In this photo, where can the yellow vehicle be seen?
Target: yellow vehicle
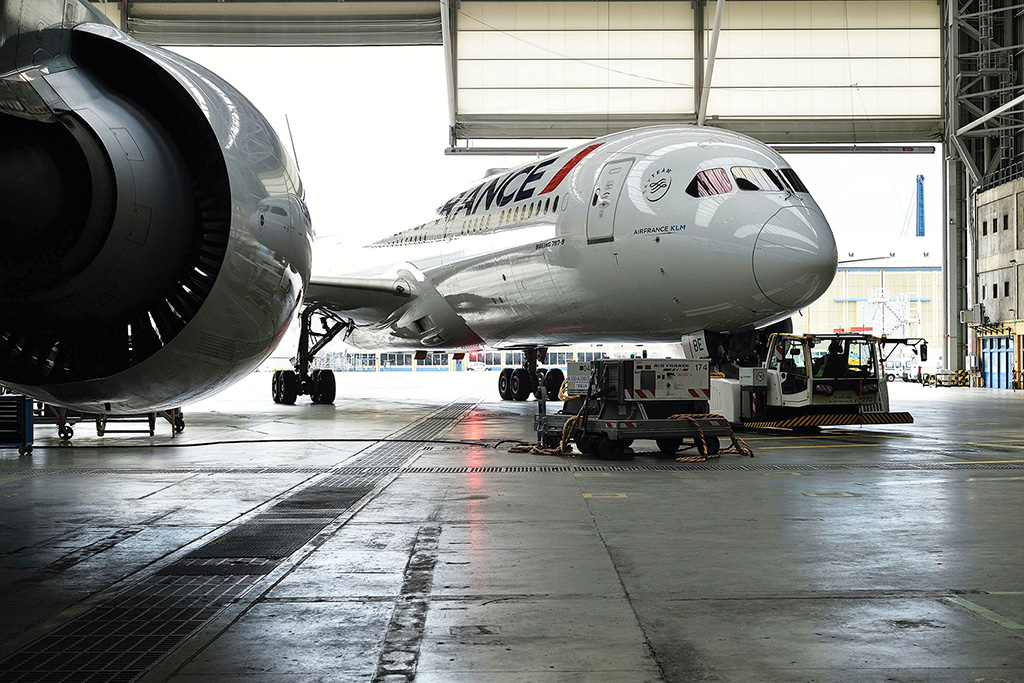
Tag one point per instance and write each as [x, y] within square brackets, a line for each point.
[814, 380]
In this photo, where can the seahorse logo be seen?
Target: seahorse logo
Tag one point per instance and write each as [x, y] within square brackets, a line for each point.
[657, 185]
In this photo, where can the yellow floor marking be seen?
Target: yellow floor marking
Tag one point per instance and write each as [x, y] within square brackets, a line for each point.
[978, 462]
[604, 495]
[782, 474]
[830, 494]
[828, 445]
[988, 614]
[1005, 592]
[591, 474]
[995, 478]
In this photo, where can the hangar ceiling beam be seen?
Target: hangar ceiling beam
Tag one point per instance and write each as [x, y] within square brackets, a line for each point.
[280, 22]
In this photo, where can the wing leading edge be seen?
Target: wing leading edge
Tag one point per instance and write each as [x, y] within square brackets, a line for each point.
[365, 300]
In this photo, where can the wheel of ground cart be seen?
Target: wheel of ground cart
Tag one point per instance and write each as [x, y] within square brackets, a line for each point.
[275, 386]
[24, 450]
[505, 384]
[668, 447]
[65, 432]
[289, 387]
[609, 449]
[584, 445]
[712, 443]
[551, 441]
[553, 382]
[520, 385]
[890, 378]
[324, 386]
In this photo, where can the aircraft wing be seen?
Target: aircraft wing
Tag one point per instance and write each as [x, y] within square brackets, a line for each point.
[365, 300]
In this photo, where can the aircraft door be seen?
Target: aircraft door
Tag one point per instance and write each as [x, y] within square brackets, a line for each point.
[601, 214]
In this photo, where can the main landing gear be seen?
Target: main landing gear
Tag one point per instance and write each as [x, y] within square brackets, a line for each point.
[319, 385]
[517, 384]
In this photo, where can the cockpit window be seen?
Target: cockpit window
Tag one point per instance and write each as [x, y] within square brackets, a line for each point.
[757, 179]
[710, 182]
[794, 180]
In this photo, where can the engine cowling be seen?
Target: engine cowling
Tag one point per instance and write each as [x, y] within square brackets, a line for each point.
[156, 242]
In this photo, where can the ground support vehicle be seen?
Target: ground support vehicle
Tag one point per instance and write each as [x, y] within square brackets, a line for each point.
[814, 381]
[611, 403]
[16, 423]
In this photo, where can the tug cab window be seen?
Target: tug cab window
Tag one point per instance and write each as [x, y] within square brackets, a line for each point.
[788, 358]
[755, 179]
[710, 182]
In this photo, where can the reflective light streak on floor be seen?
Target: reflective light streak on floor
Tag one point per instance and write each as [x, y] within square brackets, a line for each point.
[850, 555]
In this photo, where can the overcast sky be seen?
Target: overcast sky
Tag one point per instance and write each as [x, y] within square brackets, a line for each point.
[371, 124]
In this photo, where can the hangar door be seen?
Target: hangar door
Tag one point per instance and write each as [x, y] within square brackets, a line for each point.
[997, 361]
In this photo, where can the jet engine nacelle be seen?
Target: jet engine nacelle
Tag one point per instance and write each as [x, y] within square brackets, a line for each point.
[156, 244]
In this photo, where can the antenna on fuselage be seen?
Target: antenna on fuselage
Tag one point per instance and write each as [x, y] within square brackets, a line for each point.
[295, 155]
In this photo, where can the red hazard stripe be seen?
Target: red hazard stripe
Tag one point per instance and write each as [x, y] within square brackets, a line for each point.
[706, 392]
[694, 393]
[564, 171]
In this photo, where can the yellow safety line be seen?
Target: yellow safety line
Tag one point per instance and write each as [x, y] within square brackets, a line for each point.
[604, 495]
[988, 614]
[978, 462]
[827, 445]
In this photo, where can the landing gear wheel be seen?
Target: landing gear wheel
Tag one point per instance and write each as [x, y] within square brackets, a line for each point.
[520, 385]
[584, 445]
[712, 445]
[65, 432]
[668, 447]
[505, 384]
[179, 423]
[553, 380]
[608, 449]
[289, 387]
[324, 387]
[275, 386]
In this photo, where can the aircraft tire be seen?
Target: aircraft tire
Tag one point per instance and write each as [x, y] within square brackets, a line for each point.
[553, 382]
[520, 385]
[65, 432]
[608, 449]
[668, 447]
[325, 387]
[712, 442]
[504, 384]
[275, 386]
[289, 387]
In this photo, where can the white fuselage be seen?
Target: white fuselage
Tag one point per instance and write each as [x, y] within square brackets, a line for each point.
[603, 242]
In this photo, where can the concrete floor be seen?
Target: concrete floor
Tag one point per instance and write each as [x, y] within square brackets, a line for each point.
[859, 554]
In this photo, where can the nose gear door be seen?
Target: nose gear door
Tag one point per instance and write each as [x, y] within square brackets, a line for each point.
[601, 214]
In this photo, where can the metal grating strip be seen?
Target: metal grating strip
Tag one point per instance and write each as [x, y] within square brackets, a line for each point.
[126, 635]
[355, 470]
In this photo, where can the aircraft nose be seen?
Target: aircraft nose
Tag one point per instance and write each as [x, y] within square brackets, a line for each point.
[795, 257]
